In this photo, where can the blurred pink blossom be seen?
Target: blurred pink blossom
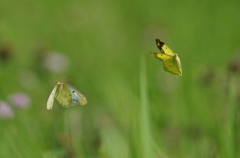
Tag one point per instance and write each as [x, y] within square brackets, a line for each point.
[5, 110]
[55, 62]
[20, 99]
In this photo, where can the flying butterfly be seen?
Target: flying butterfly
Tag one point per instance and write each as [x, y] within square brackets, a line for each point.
[171, 61]
[66, 95]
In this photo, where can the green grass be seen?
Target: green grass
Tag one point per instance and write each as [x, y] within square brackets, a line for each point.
[135, 108]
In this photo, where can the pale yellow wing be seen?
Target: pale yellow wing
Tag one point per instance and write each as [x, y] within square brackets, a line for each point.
[77, 97]
[173, 65]
[164, 48]
[161, 56]
[63, 95]
[51, 98]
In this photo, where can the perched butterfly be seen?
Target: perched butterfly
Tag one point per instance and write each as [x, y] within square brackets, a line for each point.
[66, 95]
[171, 61]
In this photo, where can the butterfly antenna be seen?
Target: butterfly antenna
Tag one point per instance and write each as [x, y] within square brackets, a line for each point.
[68, 80]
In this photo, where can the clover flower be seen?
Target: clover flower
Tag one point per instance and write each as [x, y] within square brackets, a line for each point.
[55, 62]
[20, 99]
[5, 110]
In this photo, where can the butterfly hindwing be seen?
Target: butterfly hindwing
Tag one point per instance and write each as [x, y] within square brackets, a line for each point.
[172, 66]
[63, 95]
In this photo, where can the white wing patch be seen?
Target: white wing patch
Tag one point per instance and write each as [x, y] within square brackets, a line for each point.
[51, 98]
[77, 97]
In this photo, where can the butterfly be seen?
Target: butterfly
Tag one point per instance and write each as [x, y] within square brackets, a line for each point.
[171, 61]
[66, 95]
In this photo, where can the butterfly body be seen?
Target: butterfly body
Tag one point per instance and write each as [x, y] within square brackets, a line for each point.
[66, 95]
[171, 61]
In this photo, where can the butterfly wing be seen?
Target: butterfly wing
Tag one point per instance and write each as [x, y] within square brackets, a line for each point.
[161, 56]
[173, 65]
[77, 97]
[51, 98]
[164, 48]
[63, 95]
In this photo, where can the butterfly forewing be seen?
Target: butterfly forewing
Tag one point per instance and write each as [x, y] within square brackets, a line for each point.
[164, 48]
[51, 98]
[77, 97]
[161, 56]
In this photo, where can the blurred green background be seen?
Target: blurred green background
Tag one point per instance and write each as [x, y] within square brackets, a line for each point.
[135, 108]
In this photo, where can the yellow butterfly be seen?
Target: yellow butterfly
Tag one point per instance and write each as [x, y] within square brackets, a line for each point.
[171, 61]
[66, 95]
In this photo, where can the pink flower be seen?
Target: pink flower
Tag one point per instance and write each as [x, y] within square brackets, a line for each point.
[55, 62]
[5, 110]
[20, 99]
